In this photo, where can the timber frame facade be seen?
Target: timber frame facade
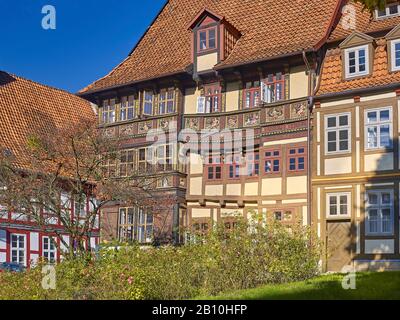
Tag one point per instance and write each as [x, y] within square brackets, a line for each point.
[305, 95]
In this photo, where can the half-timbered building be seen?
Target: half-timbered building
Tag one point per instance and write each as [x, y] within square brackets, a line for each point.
[28, 108]
[355, 182]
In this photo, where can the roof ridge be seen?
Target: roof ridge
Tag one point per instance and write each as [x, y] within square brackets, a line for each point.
[41, 84]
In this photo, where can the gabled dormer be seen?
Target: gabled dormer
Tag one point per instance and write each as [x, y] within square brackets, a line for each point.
[393, 49]
[357, 55]
[213, 39]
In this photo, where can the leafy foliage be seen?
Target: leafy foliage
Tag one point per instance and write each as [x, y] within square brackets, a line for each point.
[210, 264]
[373, 4]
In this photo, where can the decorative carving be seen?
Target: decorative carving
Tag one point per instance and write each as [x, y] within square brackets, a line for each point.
[167, 124]
[109, 132]
[192, 123]
[298, 110]
[144, 127]
[232, 122]
[212, 123]
[275, 114]
[127, 130]
[251, 119]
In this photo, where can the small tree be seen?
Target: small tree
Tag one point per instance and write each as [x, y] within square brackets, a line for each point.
[373, 4]
[40, 182]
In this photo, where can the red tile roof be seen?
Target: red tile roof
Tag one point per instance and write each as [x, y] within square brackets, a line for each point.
[27, 107]
[269, 28]
[332, 80]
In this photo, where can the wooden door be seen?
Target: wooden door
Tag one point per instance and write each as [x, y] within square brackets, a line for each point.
[339, 245]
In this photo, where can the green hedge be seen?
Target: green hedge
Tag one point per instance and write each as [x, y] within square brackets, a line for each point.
[247, 257]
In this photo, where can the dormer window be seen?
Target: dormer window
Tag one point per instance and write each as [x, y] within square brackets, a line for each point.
[356, 61]
[391, 10]
[207, 39]
[395, 55]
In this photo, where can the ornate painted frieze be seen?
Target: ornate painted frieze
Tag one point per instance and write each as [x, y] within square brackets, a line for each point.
[298, 110]
[109, 132]
[212, 123]
[127, 130]
[251, 119]
[275, 114]
[144, 127]
[167, 124]
[192, 123]
[232, 122]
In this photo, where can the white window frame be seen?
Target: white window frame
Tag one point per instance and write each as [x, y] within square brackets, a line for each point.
[149, 102]
[378, 124]
[201, 105]
[18, 249]
[387, 10]
[358, 73]
[379, 207]
[393, 44]
[338, 195]
[337, 129]
[49, 250]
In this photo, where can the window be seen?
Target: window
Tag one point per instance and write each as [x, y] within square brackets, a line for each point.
[337, 133]
[283, 215]
[357, 61]
[212, 94]
[378, 128]
[108, 112]
[3, 212]
[273, 88]
[390, 11]
[207, 39]
[127, 163]
[165, 158]
[18, 249]
[145, 160]
[297, 159]
[166, 102]
[80, 207]
[148, 103]
[127, 108]
[200, 226]
[338, 205]
[214, 168]
[109, 166]
[252, 94]
[379, 208]
[272, 162]
[135, 224]
[234, 166]
[253, 164]
[49, 249]
[395, 55]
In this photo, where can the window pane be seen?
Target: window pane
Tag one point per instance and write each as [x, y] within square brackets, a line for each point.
[343, 120]
[331, 122]
[331, 136]
[372, 117]
[203, 40]
[301, 163]
[372, 199]
[386, 198]
[385, 136]
[211, 39]
[385, 115]
[372, 136]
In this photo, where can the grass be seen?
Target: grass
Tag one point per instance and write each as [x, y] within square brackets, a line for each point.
[369, 286]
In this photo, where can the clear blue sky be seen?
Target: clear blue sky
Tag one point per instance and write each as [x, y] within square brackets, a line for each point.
[91, 38]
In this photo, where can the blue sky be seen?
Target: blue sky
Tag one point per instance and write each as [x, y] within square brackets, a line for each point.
[92, 37]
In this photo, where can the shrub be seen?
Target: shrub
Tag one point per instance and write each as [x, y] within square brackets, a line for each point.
[246, 257]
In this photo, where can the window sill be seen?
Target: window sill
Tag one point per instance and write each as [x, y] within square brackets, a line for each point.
[338, 218]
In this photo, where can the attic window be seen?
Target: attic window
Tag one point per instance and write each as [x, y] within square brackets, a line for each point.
[207, 39]
[356, 62]
[391, 10]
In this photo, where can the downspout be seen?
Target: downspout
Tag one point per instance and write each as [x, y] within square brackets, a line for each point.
[310, 105]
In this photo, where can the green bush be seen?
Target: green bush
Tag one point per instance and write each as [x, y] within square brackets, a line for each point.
[246, 257]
